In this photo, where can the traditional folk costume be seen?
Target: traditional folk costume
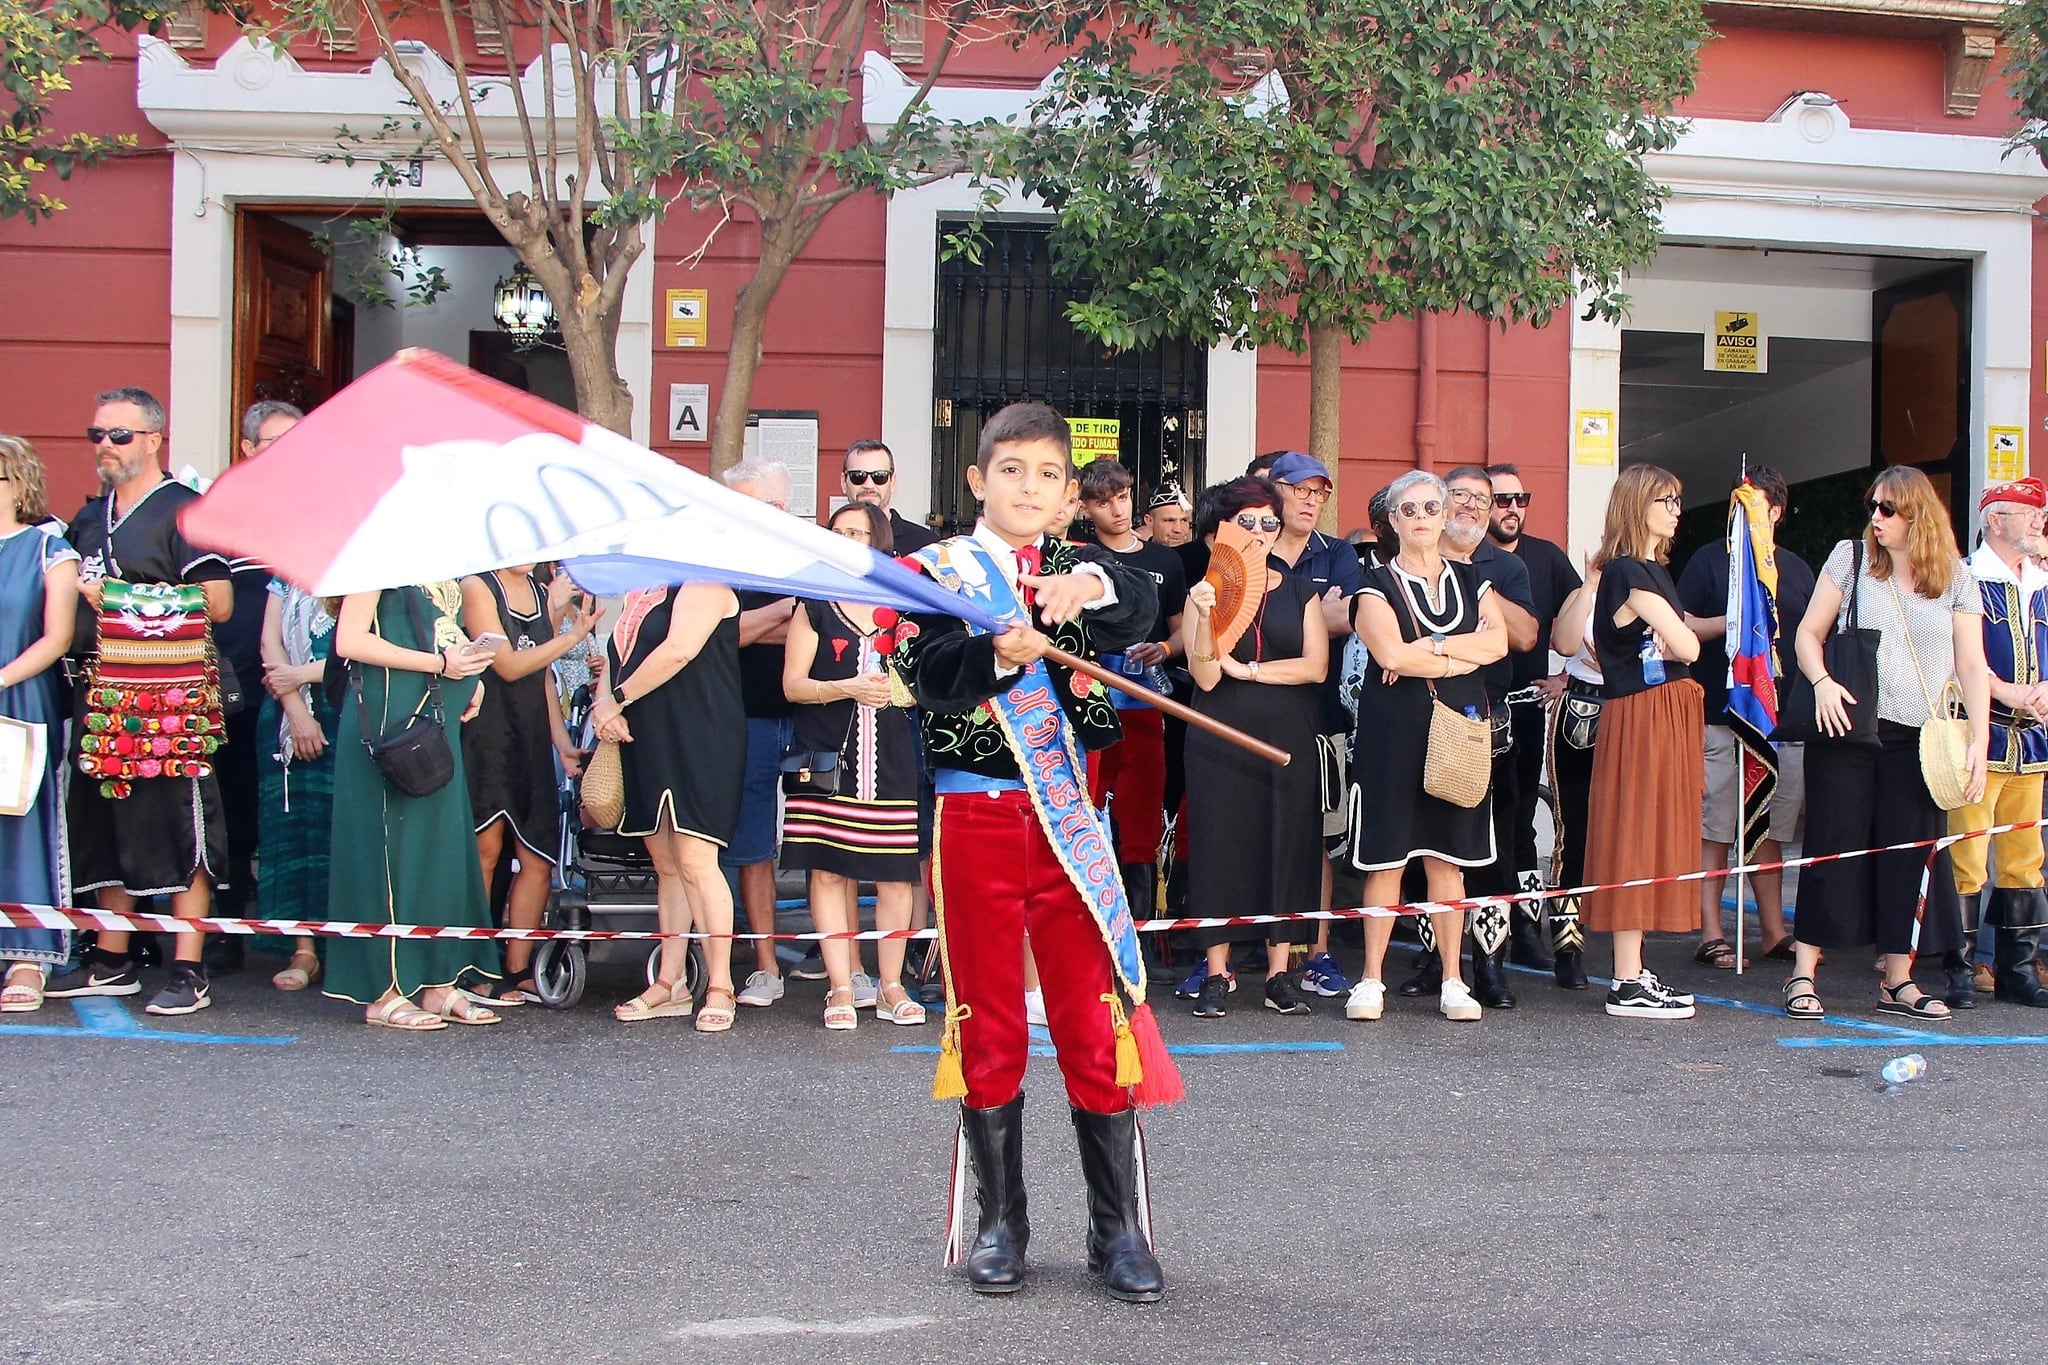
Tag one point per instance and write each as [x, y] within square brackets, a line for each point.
[1020, 849]
[2015, 645]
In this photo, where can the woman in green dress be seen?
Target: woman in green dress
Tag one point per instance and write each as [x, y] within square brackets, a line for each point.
[398, 859]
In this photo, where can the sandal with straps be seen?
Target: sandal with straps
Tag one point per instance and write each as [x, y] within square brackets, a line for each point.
[1923, 1007]
[460, 1007]
[1801, 1002]
[841, 1017]
[1715, 952]
[401, 1014]
[717, 1018]
[662, 1000]
[303, 972]
[903, 1009]
[23, 993]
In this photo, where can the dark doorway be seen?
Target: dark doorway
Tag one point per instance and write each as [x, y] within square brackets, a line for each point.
[1003, 337]
[1920, 384]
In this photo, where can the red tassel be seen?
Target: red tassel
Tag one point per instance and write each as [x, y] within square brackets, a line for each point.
[1161, 1083]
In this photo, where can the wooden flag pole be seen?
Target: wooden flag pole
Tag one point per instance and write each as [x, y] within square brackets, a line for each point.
[1171, 707]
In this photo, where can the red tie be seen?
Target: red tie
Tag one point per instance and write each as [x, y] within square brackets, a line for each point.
[1029, 559]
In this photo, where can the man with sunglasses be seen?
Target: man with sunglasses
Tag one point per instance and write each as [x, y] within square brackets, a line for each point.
[870, 476]
[168, 836]
[1551, 579]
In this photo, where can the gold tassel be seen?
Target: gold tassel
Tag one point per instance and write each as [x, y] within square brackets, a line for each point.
[950, 1081]
[1129, 1070]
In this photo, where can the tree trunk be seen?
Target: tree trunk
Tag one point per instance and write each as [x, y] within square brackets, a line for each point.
[1325, 395]
[590, 340]
[779, 247]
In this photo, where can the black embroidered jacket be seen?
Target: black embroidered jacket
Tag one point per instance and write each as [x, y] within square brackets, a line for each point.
[951, 673]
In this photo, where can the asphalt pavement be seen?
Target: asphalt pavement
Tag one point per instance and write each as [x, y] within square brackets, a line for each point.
[1546, 1184]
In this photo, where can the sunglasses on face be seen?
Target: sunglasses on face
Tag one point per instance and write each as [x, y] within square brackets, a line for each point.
[119, 436]
[860, 477]
[1266, 524]
[1505, 500]
[1413, 510]
[1881, 507]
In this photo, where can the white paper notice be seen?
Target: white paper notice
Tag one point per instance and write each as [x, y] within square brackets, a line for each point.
[21, 765]
[794, 442]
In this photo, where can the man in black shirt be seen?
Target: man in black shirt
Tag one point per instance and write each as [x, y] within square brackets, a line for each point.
[870, 476]
[1131, 773]
[1551, 579]
[1703, 593]
[166, 837]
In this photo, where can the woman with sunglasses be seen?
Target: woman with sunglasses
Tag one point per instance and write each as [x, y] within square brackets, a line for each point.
[1914, 590]
[1649, 759]
[1430, 624]
[1254, 828]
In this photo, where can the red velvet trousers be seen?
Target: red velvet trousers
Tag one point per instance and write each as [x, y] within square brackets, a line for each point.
[1132, 774]
[994, 879]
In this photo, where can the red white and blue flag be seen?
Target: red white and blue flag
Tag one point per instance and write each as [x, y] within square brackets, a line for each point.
[1753, 669]
[424, 470]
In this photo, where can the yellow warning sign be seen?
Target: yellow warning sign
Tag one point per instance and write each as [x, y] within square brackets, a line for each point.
[1593, 436]
[1095, 437]
[689, 323]
[2005, 454]
[1737, 344]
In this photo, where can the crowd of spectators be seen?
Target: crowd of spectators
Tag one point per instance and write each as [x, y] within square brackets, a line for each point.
[759, 735]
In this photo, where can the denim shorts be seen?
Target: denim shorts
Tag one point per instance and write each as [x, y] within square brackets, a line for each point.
[760, 823]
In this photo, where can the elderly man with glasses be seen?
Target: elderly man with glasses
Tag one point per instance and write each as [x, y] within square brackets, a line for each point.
[2015, 641]
[162, 835]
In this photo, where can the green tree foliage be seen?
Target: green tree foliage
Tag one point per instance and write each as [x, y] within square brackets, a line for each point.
[2026, 70]
[1294, 172]
[41, 41]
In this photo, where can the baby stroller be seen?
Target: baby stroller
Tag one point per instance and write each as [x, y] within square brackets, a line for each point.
[605, 881]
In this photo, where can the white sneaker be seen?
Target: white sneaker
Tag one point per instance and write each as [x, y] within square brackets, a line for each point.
[763, 989]
[1368, 1000]
[1034, 1008]
[1457, 1003]
[866, 991]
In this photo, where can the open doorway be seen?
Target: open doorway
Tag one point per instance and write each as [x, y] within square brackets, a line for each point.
[319, 303]
[1860, 361]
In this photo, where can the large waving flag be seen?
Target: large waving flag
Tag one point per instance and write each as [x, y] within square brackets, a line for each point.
[1752, 663]
[424, 470]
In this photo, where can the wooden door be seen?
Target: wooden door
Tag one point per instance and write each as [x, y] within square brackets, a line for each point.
[284, 324]
[1920, 384]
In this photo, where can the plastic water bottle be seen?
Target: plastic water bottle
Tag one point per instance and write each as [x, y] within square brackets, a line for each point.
[1471, 713]
[1653, 661]
[1900, 1070]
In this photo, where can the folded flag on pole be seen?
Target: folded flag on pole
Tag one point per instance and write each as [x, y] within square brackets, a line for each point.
[1753, 670]
[424, 470]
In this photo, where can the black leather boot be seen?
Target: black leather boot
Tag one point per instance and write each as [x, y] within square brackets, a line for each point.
[995, 1143]
[1119, 1243]
[1490, 978]
[1527, 947]
[1570, 937]
[1428, 978]
[2018, 916]
[1959, 964]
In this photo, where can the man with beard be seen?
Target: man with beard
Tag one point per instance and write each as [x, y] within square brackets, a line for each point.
[1169, 517]
[161, 835]
[1465, 540]
[1551, 579]
[870, 476]
[2015, 641]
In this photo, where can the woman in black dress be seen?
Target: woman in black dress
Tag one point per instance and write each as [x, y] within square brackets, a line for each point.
[835, 670]
[675, 670]
[1255, 829]
[1429, 624]
[509, 752]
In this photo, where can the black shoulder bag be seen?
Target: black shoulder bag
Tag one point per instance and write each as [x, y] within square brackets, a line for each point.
[415, 757]
[1850, 654]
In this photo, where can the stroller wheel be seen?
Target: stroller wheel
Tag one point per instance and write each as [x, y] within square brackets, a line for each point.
[560, 971]
[693, 968]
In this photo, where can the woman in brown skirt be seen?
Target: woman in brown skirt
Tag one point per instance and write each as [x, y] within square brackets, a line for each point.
[1649, 764]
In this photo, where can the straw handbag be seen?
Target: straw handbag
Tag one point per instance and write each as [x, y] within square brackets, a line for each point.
[1458, 764]
[604, 786]
[1945, 738]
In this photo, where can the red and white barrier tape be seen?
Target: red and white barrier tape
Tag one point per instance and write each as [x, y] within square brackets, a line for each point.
[55, 917]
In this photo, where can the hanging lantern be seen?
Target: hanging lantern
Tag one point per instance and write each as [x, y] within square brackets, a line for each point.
[521, 306]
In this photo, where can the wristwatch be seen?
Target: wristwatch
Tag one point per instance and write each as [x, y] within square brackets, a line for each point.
[1436, 642]
[1253, 666]
[619, 694]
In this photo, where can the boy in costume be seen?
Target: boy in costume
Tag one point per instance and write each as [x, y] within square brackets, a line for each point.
[1020, 849]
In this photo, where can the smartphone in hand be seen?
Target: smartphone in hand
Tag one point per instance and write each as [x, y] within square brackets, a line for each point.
[490, 642]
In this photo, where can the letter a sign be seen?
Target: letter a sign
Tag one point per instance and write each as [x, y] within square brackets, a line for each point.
[689, 412]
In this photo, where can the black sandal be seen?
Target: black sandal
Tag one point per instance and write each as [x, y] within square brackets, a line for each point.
[1793, 999]
[1715, 952]
[1926, 1008]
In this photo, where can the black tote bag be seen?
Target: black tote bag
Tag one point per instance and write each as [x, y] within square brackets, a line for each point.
[1850, 654]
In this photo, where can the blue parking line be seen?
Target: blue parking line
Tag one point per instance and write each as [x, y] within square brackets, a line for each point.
[1913, 1040]
[103, 1017]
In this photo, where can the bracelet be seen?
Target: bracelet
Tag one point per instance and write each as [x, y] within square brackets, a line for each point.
[440, 665]
[1825, 677]
[1201, 658]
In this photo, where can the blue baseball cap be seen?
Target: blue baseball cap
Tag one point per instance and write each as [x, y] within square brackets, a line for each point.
[1295, 467]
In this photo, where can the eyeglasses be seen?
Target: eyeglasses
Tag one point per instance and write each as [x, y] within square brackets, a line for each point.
[119, 436]
[2025, 513]
[1881, 507]
[860, 477]
[1671, 500]
[1251, 523]
[1302, 490]
[1505, 500]
[1413, 510]
[1469, 497]
[852, 532]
